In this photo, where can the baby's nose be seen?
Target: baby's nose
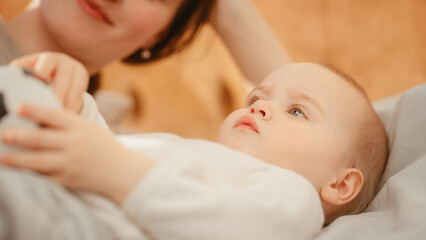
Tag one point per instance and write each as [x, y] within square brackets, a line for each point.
[260, 111]
[262, 108]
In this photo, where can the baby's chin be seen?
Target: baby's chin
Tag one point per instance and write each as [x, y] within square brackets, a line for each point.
[244, 148]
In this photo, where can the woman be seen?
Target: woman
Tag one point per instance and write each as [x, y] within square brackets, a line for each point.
[97, 32]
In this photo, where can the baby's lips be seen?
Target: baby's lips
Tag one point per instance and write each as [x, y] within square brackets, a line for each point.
[247, 122]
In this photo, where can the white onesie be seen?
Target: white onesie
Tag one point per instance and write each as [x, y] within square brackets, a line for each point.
[203, 190]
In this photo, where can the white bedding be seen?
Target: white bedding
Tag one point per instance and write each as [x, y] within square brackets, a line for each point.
[399, 210]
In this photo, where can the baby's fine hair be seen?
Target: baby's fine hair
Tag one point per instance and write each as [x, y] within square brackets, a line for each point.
[369, 153]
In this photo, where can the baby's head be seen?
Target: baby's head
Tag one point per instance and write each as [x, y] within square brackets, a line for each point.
[318, 122]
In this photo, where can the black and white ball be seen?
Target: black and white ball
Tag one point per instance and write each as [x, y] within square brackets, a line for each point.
[18, 85]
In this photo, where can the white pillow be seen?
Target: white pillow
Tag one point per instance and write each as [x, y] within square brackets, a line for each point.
[399, 209]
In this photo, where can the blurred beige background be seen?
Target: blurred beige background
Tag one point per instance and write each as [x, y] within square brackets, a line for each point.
[380, 43]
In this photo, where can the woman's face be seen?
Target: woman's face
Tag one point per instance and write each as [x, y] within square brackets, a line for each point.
[97, 32]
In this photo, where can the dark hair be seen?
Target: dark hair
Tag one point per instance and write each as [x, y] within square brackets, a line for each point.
[190, 16]
[94, 83]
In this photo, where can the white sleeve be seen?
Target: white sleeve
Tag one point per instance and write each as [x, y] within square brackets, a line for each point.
[90, 111]
[223, 195]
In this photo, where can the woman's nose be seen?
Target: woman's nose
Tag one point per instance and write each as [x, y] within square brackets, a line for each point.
[261, 108]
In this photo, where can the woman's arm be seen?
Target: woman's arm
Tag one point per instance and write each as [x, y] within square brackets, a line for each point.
[251, 41]
[74, 152]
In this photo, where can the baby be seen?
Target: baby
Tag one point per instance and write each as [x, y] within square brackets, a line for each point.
[310, 148]
[318, 122]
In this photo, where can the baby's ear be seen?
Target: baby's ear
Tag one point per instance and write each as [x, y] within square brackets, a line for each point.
[343, 187]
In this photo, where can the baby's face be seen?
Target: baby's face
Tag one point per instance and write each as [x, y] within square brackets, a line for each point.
[301, 118]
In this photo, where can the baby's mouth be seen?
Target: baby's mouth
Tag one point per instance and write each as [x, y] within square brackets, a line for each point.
[247, 122]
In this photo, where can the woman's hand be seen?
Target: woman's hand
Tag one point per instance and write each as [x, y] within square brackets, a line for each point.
[253, 44]
[68, 77]
[75, 153]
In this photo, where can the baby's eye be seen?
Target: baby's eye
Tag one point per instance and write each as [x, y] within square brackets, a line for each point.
[296, 111]
[251, 99]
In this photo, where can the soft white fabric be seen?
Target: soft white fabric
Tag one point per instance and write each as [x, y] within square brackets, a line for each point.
[111, 216]
[399, 210]
[90, 111]
[202, 190]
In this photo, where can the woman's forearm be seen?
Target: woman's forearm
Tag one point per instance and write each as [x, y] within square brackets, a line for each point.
[126, 175]
[249, 38]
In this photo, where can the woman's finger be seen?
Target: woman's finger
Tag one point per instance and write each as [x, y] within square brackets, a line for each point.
[48, 116]
[62, 80]
[42, 162]
[45, 66]
[26, 61]
[79, 85]
[38, 138]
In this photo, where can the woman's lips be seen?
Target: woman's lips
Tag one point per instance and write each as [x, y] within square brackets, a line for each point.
[92, 9]
[247, 122]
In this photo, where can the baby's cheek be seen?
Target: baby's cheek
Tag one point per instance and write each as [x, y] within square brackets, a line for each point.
[223, 130]
[293, 147]
[228, 124]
